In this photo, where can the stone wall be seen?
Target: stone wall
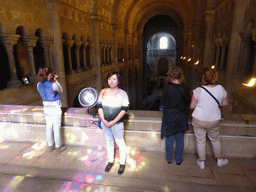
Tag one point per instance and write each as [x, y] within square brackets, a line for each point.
[142, 130]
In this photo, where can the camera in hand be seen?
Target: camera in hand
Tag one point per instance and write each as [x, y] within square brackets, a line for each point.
[53, 77]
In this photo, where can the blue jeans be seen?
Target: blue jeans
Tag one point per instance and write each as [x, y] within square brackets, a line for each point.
[112, 135]
[179, 137]
[52, 112]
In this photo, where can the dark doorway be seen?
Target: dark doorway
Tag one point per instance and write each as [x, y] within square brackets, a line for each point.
[39, 56]
[149, 100]
[5, 71]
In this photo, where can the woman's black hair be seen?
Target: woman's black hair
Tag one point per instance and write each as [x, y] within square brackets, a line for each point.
[118, 77]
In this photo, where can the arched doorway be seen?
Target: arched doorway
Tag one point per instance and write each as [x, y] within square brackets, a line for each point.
[5, 75]
[161, 46]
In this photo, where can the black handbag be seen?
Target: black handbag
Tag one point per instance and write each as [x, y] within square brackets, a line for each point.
[222, 117]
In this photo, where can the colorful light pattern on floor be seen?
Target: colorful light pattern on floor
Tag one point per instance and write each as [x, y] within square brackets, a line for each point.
[14, 182]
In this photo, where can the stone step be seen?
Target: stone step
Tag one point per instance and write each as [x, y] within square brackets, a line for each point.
[142, 130]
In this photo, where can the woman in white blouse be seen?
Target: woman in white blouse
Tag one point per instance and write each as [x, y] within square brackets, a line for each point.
[113, 104]
[207, 115]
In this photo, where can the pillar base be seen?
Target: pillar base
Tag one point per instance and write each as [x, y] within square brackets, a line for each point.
[13, 84]
[78, 70]
[32, 79]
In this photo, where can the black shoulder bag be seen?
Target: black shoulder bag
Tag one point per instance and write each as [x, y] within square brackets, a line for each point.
[222, 117]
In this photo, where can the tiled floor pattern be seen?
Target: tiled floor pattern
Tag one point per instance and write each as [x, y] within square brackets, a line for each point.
[30, 167]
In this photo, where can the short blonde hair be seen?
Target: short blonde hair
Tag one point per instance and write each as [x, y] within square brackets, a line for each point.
[176, 73]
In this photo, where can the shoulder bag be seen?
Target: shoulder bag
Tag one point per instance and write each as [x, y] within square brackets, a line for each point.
[222, 117]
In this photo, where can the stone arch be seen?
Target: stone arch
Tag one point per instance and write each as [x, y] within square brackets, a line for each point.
[83, 39]
[5, 75]
[74, 50]
[21, 55]
[75, 37]
[65, 46]
[40, 33]
[21, 30]
[88, 56]
[65, 36]
[39, 50]
[82, 53]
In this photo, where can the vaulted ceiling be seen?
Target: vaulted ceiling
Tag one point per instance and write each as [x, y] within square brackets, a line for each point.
[132, 15]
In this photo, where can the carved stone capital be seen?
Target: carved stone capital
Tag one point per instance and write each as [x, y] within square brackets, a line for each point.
[31, 41]
[209, 16]
[85, 44]
[68, 43]
[9, 40]
[245, 37]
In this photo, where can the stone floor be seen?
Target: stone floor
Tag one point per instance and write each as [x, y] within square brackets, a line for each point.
[30, 167]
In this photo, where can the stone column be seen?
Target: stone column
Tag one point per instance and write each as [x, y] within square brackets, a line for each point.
[30, 43]
[217, 55]
[233, 52]
[54, 16]
[109, 53]
[77, 55]
[126, 60]
[115, 47]
[69, 44]
[254, 39]
[107, 59]
[223, 52]
[96, 51]
[46, 49]
[235, 41]
[84, 55]
[92, 47]
[244, 54]
[103, 55]
[209, 17]
[133, 77]
[9, 42]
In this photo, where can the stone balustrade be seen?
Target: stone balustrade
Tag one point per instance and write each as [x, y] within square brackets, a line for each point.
[142, 130]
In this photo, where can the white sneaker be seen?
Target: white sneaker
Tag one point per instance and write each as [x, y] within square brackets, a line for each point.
[222, 162]
[201, 164]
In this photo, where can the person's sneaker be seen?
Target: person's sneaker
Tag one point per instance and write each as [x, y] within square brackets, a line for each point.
[51, 148]
[222, 162]
[121, 169]
[60, 149]
[201, 164]
[108, 167]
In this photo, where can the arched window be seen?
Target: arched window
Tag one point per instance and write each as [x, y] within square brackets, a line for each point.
[163, 43]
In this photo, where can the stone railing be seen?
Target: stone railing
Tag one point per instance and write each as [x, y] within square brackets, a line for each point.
[142, 130]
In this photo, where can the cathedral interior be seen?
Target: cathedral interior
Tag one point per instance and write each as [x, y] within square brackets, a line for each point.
[84, 40]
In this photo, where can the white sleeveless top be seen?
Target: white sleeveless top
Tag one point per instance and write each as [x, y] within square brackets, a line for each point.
[207, 108]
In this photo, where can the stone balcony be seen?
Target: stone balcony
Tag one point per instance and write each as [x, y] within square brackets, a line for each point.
[142, 130]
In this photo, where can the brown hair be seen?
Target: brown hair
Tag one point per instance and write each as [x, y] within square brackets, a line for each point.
[210, 76]
[43, 73]
[176, 73]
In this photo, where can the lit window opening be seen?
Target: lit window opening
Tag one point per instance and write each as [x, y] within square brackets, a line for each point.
[163, 43]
